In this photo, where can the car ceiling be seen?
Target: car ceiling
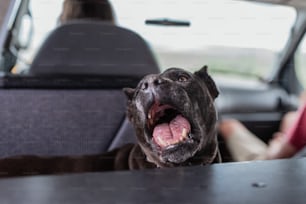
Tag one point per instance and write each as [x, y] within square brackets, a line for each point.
[295, 3]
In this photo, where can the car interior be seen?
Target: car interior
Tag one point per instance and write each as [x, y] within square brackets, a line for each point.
[69, 99]
[61, 94]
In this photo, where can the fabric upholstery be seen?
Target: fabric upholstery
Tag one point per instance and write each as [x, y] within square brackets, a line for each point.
[94, 48]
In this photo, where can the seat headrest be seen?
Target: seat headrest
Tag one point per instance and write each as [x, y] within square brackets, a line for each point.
[94, 48]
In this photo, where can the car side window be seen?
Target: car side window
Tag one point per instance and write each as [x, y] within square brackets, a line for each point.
[300, 62]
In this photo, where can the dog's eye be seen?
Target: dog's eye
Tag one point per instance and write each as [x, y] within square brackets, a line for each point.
[183, 78]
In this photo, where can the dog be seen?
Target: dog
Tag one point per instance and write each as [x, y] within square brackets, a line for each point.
[174, 118]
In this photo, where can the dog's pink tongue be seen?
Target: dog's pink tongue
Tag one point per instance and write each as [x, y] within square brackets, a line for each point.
[171, 133]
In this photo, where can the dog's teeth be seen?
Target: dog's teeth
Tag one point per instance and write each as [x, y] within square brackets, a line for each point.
[161, 142]
[172, 142]
[151, 121]
[184, 133]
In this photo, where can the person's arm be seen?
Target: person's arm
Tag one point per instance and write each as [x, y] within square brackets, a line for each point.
[296, 135]
[292, 141]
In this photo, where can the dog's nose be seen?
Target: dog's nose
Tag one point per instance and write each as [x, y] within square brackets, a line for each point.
[152, 82]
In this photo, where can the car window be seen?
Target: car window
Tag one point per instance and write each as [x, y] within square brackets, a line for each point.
[300, 62]
[234, 38]
[237, 40]
[45, 17]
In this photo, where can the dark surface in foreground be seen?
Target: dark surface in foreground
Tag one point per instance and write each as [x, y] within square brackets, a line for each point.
[280, 181]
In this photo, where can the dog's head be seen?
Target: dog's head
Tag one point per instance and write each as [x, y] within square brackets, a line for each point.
[174, 116]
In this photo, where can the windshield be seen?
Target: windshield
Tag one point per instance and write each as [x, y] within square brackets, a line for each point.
[234, 38]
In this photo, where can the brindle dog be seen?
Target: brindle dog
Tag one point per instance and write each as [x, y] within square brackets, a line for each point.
[174, 118]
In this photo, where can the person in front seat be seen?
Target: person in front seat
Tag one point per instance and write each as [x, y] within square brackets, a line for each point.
[87, 9]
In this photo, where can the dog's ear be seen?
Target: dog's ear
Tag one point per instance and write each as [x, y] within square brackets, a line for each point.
[202, 74]
[129, 92]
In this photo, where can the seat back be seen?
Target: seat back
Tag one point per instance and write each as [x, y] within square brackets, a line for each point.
[94, 48]
[72, 103]
[59, 119]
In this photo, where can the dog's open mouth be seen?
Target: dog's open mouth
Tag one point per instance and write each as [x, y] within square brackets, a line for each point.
[168, 126]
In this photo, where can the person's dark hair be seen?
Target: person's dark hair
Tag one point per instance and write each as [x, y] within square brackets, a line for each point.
[86, 9]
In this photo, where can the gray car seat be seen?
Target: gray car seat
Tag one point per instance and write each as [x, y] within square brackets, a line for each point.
[93, 48]
[72, 102]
